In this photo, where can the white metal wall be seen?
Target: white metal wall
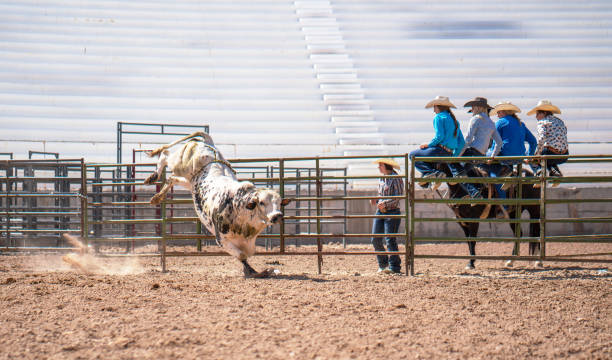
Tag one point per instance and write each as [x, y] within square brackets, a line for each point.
[332, 77]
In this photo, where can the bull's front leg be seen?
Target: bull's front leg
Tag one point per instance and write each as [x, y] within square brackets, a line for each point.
[249, 272]
[172, 180]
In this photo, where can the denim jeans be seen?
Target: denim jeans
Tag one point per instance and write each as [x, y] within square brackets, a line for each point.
[550, 162]
[471, 189]
[387, 226]
[496, 169]
[427, 168]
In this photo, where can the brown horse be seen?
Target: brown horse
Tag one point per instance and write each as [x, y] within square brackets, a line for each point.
[490, 211]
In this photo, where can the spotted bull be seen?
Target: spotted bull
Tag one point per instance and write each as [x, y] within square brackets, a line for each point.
[234, 211]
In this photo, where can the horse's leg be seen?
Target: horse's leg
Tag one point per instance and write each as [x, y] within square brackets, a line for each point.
[471, 230]
[515, 248]
[534, 231]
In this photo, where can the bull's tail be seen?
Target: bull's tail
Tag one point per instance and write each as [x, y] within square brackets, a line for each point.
[207, 139]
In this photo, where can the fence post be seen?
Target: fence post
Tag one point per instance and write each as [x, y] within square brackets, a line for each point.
[162, 227]
[411, 203]
[543, 209]
[84, 210]
[319, 188]
[518, 210]
[281, 184]
[407, 209]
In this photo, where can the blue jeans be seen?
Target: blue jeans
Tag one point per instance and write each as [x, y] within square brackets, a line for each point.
[471, 189]
[387, 226]
[496, 169]
[427, 168]
[550, 162]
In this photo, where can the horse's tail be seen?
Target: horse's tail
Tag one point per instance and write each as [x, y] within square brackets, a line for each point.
[207, 139]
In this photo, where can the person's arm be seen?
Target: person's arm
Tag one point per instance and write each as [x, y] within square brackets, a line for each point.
[497, 143]
[396, 188]
[531, 140]
[541, 131]
[471, 134]
[460, 143]
[439, 131]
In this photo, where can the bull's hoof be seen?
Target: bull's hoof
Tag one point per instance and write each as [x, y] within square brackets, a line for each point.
[156, 200]
[538, 264]
[509, 264]
[470, 266]
[151, 179]
[260, 275]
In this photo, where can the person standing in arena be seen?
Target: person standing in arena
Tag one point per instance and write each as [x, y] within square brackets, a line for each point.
[448, 141]
[514, 134]
[387, 187]
[480, 133]
[552, 136]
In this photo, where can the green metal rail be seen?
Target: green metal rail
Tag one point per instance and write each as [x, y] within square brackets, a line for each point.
[91, 197]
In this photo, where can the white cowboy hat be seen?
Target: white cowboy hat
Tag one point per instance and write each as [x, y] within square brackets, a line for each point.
[440, 100]
[544, 105]
[388, 162]
[505, 106]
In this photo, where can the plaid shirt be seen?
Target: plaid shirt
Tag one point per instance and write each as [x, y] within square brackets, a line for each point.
[390, 187]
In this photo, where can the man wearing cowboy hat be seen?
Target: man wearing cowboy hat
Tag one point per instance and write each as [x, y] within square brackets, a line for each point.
[381, 225]
[480, 133]
[552, 136]
[447, 141]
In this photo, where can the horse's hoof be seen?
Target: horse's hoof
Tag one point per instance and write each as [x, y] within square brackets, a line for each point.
[509, 263]
[470, 267]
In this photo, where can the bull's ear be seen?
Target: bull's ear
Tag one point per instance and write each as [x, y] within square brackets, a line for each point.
[252, 203]
[285, 202]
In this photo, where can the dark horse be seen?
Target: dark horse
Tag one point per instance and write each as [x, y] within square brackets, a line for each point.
[483, 211]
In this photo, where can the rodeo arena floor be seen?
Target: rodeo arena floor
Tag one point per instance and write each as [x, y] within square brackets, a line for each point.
[300, 97]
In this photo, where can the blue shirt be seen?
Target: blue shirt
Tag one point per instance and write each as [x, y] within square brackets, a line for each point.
[514, 134]
[444, 127]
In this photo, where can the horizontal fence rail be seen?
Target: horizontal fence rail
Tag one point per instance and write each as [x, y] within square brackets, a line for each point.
[108, 206]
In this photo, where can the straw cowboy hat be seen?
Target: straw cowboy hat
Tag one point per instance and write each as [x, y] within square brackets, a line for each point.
[505, 106]
[478, 101]
[544, 105]
[440, 100]
[388, 162]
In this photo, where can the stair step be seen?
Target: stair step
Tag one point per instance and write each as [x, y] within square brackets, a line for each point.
[326, 49]
[324, 39]
[342, 119]
[352, 113]
[357, 124]
[340, 87]
[330, 97]
[345, 140]
[318, 21]
[331, 78]
[357, 101]
[357, 130]
[321, 30]
[348, 107]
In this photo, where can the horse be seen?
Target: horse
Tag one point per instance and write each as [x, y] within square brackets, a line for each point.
[490, 211]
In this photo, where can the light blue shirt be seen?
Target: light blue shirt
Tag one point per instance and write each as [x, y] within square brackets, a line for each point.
[444, 127]
[480, 132]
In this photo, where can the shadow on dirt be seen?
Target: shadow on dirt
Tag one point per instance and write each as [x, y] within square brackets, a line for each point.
[559, 273]
[302, 278]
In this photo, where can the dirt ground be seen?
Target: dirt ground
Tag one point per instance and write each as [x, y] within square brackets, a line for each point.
[203, 308]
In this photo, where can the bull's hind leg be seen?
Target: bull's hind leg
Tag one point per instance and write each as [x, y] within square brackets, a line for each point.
[161, 165]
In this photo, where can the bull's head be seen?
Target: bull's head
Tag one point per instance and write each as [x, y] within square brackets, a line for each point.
[268, 206]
